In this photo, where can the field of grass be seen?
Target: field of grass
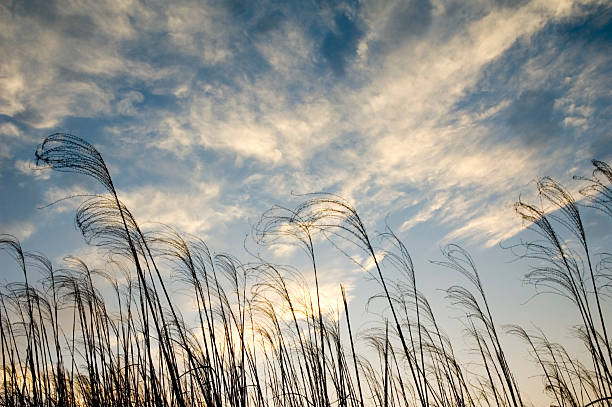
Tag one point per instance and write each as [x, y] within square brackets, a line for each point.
[66, 342]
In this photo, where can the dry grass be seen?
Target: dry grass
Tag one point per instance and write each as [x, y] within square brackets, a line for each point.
[66, 342]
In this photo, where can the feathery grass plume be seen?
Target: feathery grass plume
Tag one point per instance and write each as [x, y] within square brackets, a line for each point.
[253, 335]
[68, 153]
[460, 260]
[336, 218]
[565, 265]
[566, 378]
[599, 187]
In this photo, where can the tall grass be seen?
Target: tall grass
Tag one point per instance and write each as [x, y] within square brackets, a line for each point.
[80, 336]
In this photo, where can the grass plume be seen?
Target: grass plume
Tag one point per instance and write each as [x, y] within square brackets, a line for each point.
[80, 336]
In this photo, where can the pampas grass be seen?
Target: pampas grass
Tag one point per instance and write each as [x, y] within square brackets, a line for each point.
[116, 337]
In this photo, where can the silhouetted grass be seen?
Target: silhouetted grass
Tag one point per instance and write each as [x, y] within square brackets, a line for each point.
[116, 337]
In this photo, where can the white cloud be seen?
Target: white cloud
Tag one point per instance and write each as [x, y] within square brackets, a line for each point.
[281, 250]
[195, 208]
[8, 134]
[197, 29]
[50, 71]
[418, 140]
[431, 207]
[257, 123]
[303, 293]
[125, 106]
[93, 256]
[191, 208]
[399, 132]
[21, 230]
[9, 130]
[62, 200]
[286, 50]
[493, 225]
[27, 168]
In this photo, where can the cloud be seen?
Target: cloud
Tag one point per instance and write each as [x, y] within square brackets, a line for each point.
[197, 208]
[94, 257]
[9, 134]
[303, 292]
[281, 250]
[28, 168]
[285, 48]
[394, 23]
[492, 226]
[125, 106]
[61, 200]
[433, 205]
[420, 139]
[9, 130]
[21, 230]
[419, 113]
[64, 61]
[192, 209]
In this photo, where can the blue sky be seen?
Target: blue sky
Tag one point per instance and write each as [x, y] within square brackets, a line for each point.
[432, 115]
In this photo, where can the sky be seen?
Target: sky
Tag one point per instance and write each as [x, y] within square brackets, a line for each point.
[430, 116]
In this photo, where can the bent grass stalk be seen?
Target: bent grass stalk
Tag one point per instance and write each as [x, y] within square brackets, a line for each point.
[256, 341]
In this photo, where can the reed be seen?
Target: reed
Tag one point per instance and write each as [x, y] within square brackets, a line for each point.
[77, 336]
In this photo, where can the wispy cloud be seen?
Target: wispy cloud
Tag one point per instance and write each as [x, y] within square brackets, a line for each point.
[193, 210]
[28, 168]
[21, 230]
[443, 108]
